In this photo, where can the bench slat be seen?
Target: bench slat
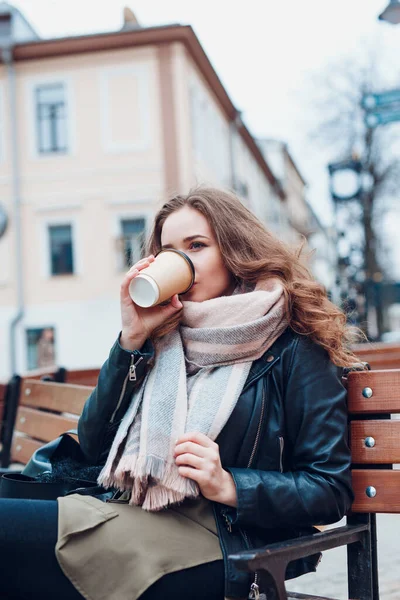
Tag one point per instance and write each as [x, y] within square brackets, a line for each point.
[387, 442]
[23, 448]
[41, 425]
[385, 386]
[54, 396]
[379, 356]
[387, 485]
[375, 349]
[41, 372]
[384, 363]
[83, 376]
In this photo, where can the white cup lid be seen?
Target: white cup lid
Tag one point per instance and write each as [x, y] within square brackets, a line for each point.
[144, 291]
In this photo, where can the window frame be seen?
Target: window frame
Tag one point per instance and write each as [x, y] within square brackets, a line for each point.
[117, 232]
[54, 148]
[53, 226]
[31, 85]
[37, 328]
[123, 237]
[45, 248]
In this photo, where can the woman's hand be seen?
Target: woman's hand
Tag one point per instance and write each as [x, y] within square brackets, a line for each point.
[198, 458]
[138, 323]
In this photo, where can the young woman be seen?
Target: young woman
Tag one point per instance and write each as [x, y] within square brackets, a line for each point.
[219, 418]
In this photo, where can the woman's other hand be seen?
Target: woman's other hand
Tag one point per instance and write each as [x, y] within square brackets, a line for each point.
[197, 458]
[138, 323]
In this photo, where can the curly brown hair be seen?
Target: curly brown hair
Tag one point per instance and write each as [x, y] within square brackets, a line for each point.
[251, 253]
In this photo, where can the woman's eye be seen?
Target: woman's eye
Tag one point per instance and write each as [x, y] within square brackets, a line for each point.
[196, 245]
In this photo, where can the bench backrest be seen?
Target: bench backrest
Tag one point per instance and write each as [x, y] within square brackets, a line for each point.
[373, 396]
[45, 410]
[62, 375]
[82, 376]
[379, 355]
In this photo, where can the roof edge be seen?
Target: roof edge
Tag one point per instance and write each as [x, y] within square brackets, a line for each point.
[164, 34]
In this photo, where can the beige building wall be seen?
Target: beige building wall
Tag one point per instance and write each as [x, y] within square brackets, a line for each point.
[297, 208]
[219, 154]
[143, 123]
[253, 186]
[209, 126]
[114, 169]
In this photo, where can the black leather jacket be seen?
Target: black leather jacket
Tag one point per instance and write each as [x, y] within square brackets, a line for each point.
[285, 445]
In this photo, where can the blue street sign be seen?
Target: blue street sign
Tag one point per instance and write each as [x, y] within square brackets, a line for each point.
[371, 101]
[373, 119]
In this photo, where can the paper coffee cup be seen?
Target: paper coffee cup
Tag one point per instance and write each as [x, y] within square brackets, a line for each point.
[172, 272]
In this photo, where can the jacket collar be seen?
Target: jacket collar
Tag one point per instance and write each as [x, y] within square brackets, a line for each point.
[263, 364]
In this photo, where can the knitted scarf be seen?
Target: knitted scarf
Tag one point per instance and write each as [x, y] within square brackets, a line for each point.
[199, 372]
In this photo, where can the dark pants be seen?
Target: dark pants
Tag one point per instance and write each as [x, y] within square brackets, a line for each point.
[29, 569]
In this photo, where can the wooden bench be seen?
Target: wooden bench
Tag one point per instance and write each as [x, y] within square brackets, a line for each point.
[86, 377]
[62, 375]
[48, 373]
[375, 445]
[82, 376]
[45, 410]
[379, 355]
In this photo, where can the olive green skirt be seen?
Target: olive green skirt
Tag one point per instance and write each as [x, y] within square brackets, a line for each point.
[114, 551]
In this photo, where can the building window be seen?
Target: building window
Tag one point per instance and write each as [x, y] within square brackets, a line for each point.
[61, 251]
[40, 347]
[132, 241]
[51, 114]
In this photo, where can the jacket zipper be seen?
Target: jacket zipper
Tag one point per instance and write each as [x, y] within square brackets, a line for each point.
[228, 523]
[254, 591]
[254, 588]
[281, 449]
[131, 376]
[253, 452]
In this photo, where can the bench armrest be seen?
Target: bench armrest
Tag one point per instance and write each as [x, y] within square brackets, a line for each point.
[281, 553]
[273, 559]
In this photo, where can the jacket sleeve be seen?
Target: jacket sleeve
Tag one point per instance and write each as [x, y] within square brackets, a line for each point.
[122, 372]
[316, 487]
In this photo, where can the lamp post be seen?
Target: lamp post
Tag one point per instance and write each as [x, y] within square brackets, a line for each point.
[345, 180]
[391, 14]
[346, 189]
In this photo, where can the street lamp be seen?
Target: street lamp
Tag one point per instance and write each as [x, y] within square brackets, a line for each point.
[391, 14]
[346, 186]
[345, 180]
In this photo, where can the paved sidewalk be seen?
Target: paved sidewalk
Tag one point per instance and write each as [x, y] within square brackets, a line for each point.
[331, 579]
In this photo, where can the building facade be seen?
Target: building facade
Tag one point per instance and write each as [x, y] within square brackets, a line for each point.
[95, 132]
[297, 220]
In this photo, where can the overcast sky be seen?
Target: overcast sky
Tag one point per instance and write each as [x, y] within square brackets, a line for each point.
[264, 51]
